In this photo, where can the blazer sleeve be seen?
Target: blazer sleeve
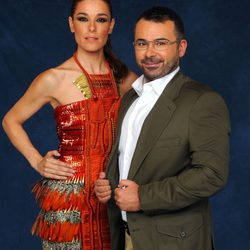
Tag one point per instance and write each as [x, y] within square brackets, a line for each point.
[209, 130]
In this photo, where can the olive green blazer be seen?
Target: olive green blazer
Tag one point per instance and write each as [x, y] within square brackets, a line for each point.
[181, 159]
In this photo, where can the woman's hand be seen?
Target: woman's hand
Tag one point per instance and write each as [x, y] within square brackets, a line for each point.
[52, 168]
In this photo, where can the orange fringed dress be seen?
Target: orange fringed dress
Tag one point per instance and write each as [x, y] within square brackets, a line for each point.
[71, 217]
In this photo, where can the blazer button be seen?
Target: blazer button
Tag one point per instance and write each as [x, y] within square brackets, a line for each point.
[183, 234]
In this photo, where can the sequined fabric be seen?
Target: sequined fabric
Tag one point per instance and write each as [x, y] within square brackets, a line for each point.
[71, 217]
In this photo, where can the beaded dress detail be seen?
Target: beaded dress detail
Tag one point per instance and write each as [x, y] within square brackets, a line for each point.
[71, 217]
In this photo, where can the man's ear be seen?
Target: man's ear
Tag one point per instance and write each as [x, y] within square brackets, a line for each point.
[182, 47]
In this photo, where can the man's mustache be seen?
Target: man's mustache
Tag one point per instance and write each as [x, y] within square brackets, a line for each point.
[151, 60]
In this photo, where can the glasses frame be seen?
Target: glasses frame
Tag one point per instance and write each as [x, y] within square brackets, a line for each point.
[153, 42]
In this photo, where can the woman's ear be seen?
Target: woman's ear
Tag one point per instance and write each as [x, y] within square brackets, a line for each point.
[71, 24]
[112, 24]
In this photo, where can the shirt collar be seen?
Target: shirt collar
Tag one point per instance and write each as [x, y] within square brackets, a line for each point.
[157, 85]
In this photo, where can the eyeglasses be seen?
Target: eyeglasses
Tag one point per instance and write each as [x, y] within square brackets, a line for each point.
[158, 44]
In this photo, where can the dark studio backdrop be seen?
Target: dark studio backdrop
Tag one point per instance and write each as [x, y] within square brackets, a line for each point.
[34, 36]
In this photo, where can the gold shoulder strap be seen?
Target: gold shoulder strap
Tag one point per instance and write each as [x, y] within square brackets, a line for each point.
[82, 83]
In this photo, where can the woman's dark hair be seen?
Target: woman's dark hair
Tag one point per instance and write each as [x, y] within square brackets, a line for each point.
[161, 14]
[119, 69]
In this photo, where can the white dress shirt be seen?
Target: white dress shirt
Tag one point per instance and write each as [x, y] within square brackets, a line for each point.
[131, 127]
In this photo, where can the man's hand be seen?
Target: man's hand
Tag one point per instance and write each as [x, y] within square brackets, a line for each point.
[102, 188]
[127, 196]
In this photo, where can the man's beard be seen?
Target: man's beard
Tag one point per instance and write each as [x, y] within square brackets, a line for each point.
[160, 72]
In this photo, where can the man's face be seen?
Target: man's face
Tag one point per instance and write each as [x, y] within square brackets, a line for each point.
[154, 61]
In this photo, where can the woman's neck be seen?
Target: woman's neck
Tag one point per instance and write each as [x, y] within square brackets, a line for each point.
[92, 62]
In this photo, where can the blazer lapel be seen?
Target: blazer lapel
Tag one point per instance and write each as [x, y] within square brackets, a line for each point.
[156, 122]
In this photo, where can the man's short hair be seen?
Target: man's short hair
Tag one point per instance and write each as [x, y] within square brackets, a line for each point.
[160, 14]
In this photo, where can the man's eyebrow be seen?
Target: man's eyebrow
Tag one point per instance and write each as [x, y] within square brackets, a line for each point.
[161, 38]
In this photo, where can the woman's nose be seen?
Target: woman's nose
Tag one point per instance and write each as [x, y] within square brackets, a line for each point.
[92, 26]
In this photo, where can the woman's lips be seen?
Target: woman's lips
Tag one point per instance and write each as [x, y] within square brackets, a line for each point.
[91, 38]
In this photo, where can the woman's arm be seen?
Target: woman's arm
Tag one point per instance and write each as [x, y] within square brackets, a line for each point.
[38, 94]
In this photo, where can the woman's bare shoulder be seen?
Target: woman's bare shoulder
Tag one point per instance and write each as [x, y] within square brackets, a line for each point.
[126, 84]
[53, 77]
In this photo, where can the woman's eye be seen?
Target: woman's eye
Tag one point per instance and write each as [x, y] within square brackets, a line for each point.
[102, 20]
[82, 19]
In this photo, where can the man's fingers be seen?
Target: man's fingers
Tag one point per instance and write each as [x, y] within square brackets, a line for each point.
[125, 183]
[102, 182]
[103, 189]
[104, 194]
[104, 200]
[102, 175]
[117, 194]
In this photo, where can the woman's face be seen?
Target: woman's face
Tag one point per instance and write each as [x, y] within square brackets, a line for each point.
[91, 23]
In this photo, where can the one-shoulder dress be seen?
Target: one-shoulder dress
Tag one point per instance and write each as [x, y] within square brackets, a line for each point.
[71, 218]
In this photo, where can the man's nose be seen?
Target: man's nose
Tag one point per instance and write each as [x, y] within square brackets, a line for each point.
[150, 51]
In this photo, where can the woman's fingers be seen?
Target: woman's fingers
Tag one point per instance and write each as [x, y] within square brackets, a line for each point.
[57, 164]
[58, 170]
[50, 167]
[52, 153]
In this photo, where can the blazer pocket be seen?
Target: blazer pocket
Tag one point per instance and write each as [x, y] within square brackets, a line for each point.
[182, 231]
[177, 237]
[169, 142]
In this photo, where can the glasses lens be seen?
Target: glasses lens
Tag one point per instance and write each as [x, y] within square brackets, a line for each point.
[157, 44]
[160, 44]
[141, 45]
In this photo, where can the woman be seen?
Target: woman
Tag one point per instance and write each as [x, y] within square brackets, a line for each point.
[83, 92]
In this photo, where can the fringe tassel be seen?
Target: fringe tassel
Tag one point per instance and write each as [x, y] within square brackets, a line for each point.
[60, 202]
[54, 200]
[59, 232]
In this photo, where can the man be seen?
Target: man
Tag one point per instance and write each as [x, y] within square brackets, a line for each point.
[172, 147]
